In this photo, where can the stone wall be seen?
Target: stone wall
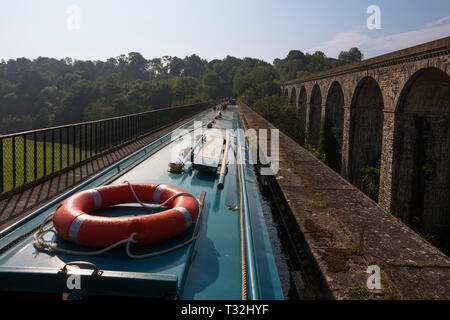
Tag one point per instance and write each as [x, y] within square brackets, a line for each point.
[338, 232]
[394, 106]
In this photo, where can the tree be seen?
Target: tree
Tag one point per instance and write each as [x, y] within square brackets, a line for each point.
[280, 112]
[136, 66]
[176, 67]
[295, 55]
[213, 85]
[194, 66]
[351, 56]
[183, 87]
[160, 94]
[46, 91]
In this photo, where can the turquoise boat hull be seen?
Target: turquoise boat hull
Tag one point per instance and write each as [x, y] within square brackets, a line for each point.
[209, 268]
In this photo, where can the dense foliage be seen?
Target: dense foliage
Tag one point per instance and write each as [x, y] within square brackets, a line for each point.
[46, 92]
[281, 113]
[297, 64]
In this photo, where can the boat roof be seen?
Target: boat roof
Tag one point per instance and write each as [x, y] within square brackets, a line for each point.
[209, 268]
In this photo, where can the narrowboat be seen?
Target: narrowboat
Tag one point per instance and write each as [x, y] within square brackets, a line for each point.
[180, 218]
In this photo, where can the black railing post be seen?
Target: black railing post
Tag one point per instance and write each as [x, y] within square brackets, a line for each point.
[60, 148]
[126, 128]
[114, 126]
[121, 129]
[97, 136]
[53, 151]
[14, 160]
[106, 129]
[139, 125]
[79, 144]
[24, 158]
[94, 138]
[107, 132]
[67, 147]
[35, 154]
[85, 141]
[1, 165]
[45, 152]
[103, 129]
[73, 143]
[116, 130]
[130, 128]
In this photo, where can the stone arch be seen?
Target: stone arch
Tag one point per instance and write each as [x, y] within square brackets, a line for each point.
[286, 93]
[302, 106]
[293, 96]
[421, 170]
[366, 134]
[333, 126]
[315, 113]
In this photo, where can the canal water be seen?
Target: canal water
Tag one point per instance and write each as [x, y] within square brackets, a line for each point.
[292, 287]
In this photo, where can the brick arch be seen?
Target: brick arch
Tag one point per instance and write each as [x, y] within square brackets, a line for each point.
[411, 73]
[368, 89]
[333, 126]
[353, 84]
[325, 86]
[420, 171]
[366, 135]
[315, 114]
[424, 82]
[302, 105]
[293, 96]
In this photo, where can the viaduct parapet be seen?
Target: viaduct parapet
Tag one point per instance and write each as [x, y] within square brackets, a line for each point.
[383, 124]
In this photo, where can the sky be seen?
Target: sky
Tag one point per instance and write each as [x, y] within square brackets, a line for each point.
[213, 29]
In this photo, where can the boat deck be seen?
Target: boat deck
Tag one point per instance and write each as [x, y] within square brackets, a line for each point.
[209, 268]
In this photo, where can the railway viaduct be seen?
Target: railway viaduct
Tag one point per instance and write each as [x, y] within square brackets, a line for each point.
[388, 115]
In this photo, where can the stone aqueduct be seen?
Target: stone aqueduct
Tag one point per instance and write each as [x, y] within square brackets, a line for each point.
[391, 112]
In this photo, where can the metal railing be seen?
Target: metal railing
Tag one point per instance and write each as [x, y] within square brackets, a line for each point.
[31, 156]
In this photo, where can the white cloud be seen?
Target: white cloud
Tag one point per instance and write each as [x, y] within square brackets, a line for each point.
[372, 46]
[437, 22]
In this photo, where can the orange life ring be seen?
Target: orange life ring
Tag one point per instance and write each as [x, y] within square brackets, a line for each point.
[73, 222]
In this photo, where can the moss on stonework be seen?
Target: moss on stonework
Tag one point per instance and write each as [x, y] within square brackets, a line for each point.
[389, 290]
[357, 250]
[317, 232]
[360, 291]
[319, 202]
[315, 152]
[336, 260]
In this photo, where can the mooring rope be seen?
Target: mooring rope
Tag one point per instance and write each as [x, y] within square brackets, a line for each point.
[244, 293]
[159, 205]
[243, 251]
